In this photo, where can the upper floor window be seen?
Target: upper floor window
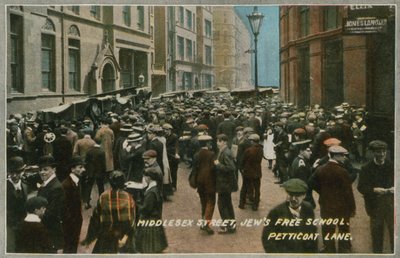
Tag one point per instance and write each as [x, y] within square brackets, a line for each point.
[181, 48]
[126, 14]
[95, 11]
[331, 17]
[16, 53]
[74, 9]
[189, 50]
[48, 62]
[181, 15]
[74, 64]
[208, 55]
[189, 22]
[140, 22]
[304, 20]
[208, 29]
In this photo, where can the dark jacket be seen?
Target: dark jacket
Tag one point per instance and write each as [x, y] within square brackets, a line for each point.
[33, 237]
[16, 204]
[72, 216]
[203, 164]
[289, 246]
[252, 159]
[226, 177]
[156, 145]
[371, 176]
[52, 219]
[95, 162]
[333, 184]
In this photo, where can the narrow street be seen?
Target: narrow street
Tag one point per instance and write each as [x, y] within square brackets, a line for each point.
[185, 205]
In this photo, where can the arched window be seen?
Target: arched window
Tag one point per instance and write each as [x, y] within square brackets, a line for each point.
[48, 56]
[74, 58]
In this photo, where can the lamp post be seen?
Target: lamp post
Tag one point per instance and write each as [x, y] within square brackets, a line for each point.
[255, 19]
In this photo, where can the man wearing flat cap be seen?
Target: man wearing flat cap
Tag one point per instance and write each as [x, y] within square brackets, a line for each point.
[51, 189]
[332, 182]
[294, 208]
[376, 184]
[72, 215]
[150, 162]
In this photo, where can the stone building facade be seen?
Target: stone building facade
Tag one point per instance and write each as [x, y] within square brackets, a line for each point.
[57, 54]
[231, 43]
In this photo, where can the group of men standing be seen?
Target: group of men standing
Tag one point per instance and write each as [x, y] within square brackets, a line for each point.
[220, 140]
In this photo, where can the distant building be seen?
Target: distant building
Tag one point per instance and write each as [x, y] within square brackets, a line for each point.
[57, 54]
[232, 45]
[323, 62]
[184, 48]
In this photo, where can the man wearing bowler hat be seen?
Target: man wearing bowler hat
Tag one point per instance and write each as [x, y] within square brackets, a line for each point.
[293, 208]
[72, 216]
[51, 189]
[376, 184]
[17, 192]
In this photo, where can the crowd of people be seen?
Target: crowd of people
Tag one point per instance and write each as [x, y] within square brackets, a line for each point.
[53, 166]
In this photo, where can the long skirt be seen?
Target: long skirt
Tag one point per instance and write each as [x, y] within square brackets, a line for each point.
[150, 239]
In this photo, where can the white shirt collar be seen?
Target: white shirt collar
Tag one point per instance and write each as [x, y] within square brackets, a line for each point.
[49, 179]
[152, 184]
[295, 213]
[31, 217]
[17, 186]
[74, 178]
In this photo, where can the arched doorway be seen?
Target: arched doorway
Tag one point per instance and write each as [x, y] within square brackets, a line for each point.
[108, 81]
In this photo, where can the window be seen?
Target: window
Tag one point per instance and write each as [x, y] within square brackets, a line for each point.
[125, 62]
[189, 23]
[140, 23]
[16, 53]
[331, 19]
[48, 64]
[189, 50]
[74, 9]
[95, 11]
[304, 21]
[207, 26]
[126, 14]
[74, 64]
[208, 55]
[181, 15]
[181, 47]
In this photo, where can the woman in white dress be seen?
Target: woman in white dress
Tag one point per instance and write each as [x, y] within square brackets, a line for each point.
[269, 152]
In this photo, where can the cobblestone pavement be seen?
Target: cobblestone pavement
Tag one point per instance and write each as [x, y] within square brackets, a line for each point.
[185, 205]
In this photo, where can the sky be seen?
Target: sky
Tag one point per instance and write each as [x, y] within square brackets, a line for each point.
[268, 43]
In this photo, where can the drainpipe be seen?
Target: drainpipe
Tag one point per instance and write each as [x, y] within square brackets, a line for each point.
[62, 57]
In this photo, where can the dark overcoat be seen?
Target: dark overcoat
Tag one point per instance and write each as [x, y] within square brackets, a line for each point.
[333, 184]
[72, 216]
[226, 177]
[203, 164]
[289, 246]
[252, 158]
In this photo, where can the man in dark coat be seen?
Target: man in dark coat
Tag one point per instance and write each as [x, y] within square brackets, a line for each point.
[17, 192]
[172, 152]
[203, 167]
[251, 173]
[376, 184]
[95, 170]
[294, 208]
[52, 191]
[32, 236]
[154, 144]
[72, 216]
[332, 182]
[226, 183]
[281, 142]
[301, 167]
[62, 152]
[132, 155]
[227, 127]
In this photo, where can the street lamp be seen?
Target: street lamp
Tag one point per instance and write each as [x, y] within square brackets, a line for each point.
[255, 19]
